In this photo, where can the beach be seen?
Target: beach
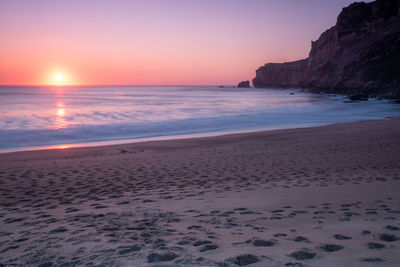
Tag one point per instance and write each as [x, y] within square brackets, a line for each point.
[321, 196]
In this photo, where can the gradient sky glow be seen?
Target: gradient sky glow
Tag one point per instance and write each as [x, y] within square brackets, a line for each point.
[167, 42]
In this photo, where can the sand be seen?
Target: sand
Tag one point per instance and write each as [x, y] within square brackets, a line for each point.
[325, 196]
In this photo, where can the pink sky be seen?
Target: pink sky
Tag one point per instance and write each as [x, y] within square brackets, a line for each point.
[166, 42]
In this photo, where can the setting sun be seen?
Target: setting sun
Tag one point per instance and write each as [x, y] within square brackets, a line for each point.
[59, 77]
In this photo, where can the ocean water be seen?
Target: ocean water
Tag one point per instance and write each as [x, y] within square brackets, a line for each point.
[42, 117]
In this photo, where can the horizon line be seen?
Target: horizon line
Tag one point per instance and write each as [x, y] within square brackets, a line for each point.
[92, 85]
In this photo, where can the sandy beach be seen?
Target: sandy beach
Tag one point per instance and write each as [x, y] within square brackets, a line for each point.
[325, 196]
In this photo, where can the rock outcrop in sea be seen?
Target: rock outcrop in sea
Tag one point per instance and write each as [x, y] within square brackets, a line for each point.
[244, 84]
[360, 55]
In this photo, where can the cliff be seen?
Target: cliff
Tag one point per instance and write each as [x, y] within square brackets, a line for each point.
[289, 74]
[359, 55]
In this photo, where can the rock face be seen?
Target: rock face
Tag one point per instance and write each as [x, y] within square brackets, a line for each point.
[244, 84]
[359, 55]
[289, 74]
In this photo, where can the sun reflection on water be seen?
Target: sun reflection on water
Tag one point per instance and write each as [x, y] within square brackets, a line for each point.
[60, 122]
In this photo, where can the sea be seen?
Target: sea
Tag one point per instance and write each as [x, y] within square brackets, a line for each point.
[42, 117]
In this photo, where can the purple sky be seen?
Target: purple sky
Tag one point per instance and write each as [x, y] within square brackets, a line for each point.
[155, 41]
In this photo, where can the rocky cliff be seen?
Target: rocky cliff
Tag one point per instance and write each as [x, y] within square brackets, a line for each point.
[289, 74]
[359, 55]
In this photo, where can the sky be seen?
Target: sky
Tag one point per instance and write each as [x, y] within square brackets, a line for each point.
[154, 42]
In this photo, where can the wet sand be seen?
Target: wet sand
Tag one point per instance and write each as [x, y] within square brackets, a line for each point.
[326, 196]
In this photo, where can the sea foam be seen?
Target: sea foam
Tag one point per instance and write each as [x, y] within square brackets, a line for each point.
[38, 117]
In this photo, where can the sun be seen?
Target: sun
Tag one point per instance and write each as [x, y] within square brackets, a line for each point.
[59, 77]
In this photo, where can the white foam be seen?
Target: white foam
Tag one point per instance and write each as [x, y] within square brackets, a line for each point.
[34, 117]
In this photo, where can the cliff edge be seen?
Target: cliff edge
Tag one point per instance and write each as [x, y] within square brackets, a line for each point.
[359, 55]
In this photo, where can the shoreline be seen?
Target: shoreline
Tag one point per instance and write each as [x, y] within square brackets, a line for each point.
[321, 196]
[48, 138]
[108, 143]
